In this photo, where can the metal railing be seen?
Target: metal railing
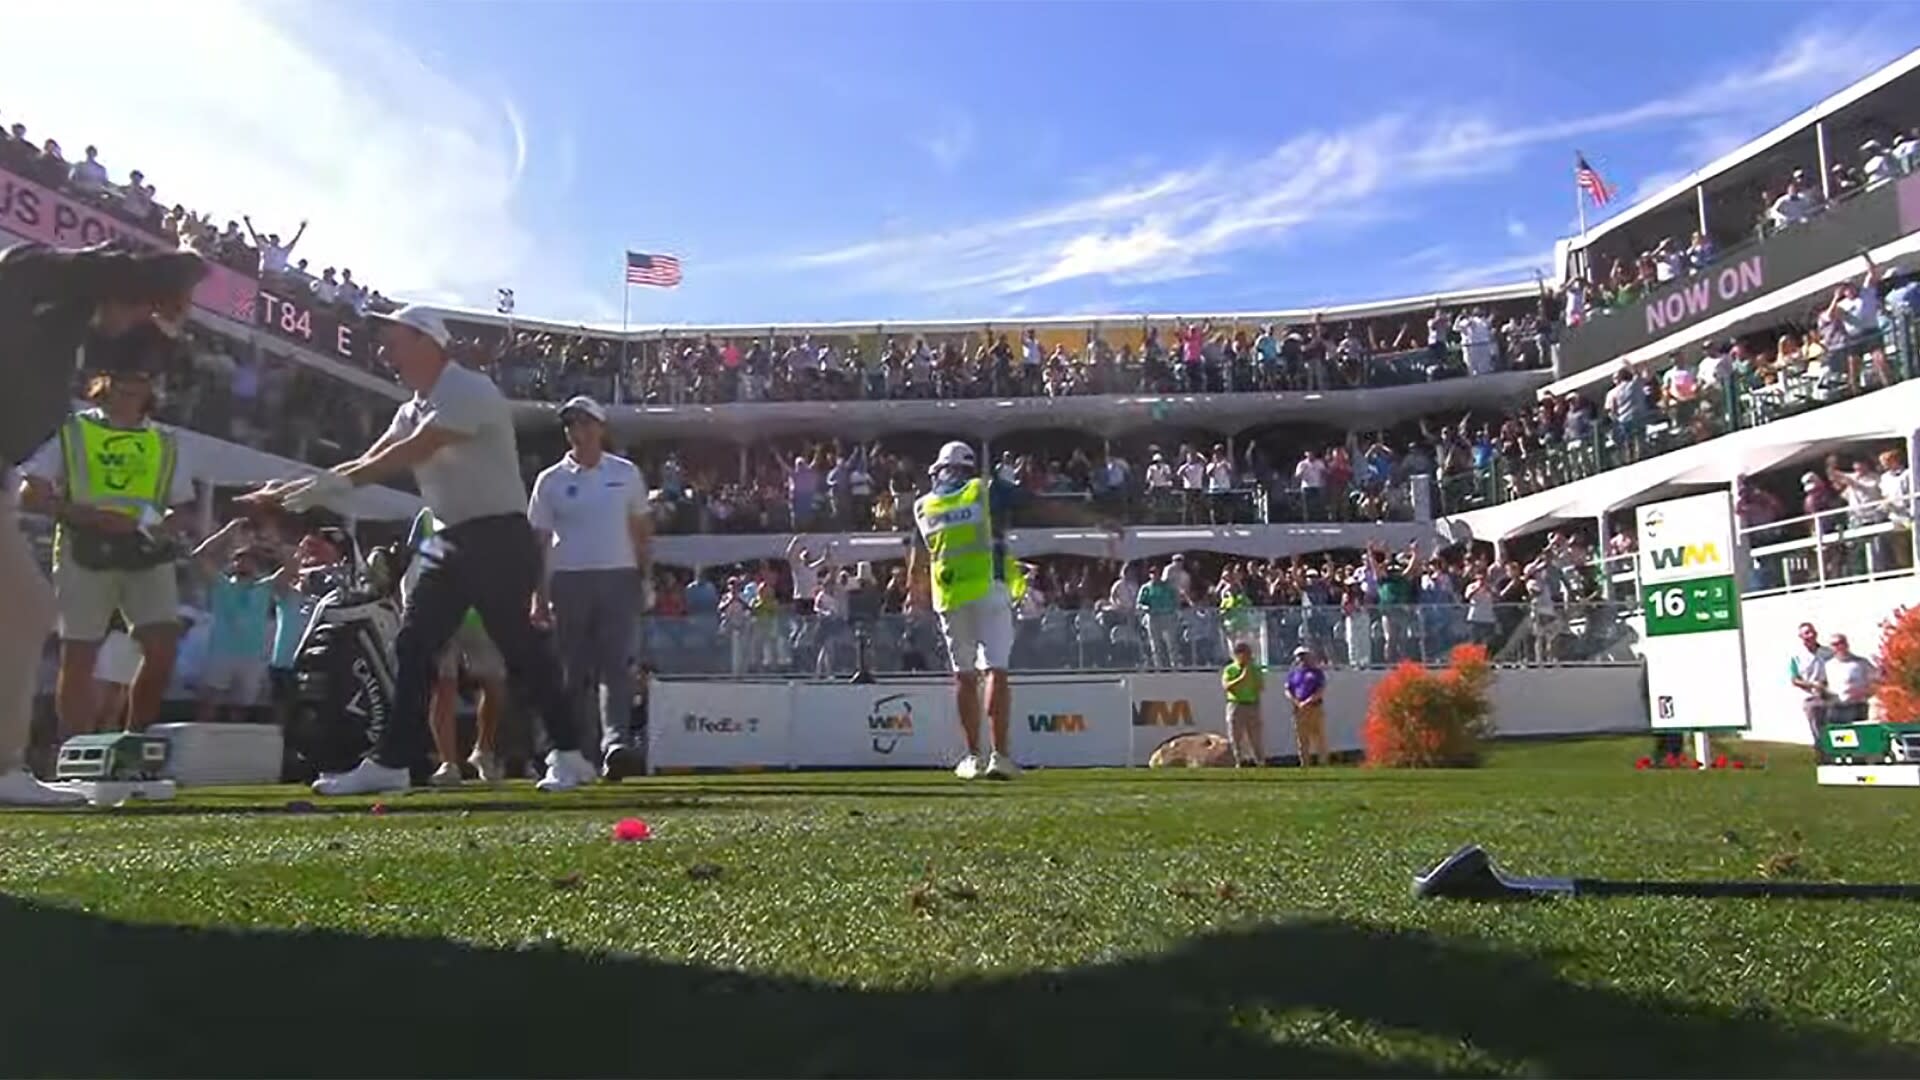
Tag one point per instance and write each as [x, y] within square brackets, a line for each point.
[1737, 406]
[1110, 639]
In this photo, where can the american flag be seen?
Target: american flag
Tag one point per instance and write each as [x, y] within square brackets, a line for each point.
[1590, 181]
[661, 270]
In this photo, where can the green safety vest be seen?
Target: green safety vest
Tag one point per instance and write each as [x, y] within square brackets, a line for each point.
[959, 535]
[426, 525]
[1245, 695]
[125, 470]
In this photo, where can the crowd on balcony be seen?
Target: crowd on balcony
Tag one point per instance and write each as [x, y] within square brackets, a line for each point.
[805, 614]
[1195, 357]
[137, 203]
[1856, 339]
[1786, 203]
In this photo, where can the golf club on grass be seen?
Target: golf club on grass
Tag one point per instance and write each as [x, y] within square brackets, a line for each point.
[1469, 874]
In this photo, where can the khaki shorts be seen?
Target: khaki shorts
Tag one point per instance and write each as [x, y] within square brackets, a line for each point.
[87, 599]
[482, 656]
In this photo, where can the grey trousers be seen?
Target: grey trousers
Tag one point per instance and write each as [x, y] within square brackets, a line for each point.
[594, 624]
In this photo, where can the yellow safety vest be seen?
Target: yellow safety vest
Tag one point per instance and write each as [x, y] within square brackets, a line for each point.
[123, 470]
[1016, 578]
[959, 535]
[126, 470]
[1245, 695]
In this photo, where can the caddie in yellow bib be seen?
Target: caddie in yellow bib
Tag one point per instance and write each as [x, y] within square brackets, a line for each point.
[973, 582]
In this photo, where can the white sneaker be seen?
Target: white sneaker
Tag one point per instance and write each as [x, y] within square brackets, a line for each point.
[447, 775]
[1000, 767]
[20, 788]
[968, 769]
[486, 766]
[366, 778]
[566, 770]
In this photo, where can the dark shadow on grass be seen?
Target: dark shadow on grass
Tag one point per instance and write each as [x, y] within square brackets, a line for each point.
[222, 1003]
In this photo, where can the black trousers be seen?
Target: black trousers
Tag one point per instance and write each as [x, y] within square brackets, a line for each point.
[489, 565]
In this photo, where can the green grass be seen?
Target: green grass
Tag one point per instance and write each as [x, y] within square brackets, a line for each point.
[1073, 923]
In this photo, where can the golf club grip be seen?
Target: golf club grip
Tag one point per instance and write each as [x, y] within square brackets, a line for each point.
[1811, 890]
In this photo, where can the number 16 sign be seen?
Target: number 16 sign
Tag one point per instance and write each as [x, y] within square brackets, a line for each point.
[1690, 596]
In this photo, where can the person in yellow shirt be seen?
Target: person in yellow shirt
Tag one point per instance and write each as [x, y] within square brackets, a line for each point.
[1243, 680]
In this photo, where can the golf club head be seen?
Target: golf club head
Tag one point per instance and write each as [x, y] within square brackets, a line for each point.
[1469, 874]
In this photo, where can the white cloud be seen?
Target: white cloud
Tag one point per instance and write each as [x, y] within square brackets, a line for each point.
[1178, 223]
[408, 175]
[952, 142]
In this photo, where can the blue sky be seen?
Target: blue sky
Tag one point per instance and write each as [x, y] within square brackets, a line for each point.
[925, 160]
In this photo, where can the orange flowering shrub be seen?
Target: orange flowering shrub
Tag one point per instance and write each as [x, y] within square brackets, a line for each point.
[1899, 692]
[1419, 718]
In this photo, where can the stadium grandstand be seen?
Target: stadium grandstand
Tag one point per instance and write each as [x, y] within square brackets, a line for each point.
[1379, 480]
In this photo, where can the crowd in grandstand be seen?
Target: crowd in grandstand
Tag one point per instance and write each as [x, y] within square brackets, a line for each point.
[1356, 609]
[137, 203]
[1792, 201]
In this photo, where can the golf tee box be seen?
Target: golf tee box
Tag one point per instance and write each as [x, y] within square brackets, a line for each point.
[208, 755]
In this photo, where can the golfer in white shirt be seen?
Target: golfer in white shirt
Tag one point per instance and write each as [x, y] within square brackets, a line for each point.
[590, 515]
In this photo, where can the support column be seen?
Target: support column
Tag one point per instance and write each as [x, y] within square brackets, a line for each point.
[1826, 179]
[1602, 537]
[1700, 203]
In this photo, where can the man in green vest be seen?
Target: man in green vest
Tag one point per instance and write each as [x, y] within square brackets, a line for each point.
[961, 532]
[52, 303]
[115, 483]
[1242, 679]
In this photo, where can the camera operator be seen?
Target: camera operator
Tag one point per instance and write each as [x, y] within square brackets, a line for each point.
[52, 303]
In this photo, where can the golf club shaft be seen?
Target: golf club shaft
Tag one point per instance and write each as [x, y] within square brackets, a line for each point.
[1798, 889]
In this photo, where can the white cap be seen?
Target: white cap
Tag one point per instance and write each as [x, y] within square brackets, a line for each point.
[585, 404]
[424, 320]
[957, 454]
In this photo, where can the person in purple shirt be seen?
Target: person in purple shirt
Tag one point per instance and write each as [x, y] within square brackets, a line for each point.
[1307, 691]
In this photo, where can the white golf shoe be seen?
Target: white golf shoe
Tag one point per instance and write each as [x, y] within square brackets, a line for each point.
[486, 767]
[1001, 767]
[366, 778]
[566, 770]
[20, 788]
[447, 775]
[968, 769]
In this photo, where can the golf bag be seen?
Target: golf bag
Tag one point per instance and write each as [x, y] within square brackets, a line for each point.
[344, 670]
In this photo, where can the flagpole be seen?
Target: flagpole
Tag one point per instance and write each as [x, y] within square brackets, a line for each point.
[626, 296]
[1579, 204]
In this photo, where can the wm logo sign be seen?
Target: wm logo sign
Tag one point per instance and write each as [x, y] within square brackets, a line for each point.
[1056, 723]
[1163, 714]
[1676, 558]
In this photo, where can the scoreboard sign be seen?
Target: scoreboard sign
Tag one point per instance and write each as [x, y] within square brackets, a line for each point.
[1690, 596]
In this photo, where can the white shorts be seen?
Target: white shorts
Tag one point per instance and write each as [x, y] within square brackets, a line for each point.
[119, 659]
[236, 680]
[980, 633]
[482, 656]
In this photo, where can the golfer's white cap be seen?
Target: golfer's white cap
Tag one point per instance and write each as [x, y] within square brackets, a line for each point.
[422, 319]
[585, 404]
[954, 454]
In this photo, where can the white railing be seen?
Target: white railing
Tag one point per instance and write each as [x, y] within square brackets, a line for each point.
[1862, 542]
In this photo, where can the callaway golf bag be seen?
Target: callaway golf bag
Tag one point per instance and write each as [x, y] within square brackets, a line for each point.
[344, 669]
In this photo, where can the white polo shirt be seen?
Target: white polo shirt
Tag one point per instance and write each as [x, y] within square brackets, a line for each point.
[479, 476]
[587, 510]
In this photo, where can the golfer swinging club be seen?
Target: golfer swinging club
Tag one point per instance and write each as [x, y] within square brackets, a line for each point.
[456, 436]
[961, 525]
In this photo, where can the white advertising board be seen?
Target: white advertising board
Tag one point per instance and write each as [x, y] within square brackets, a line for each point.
[890, 725]
[697, 725]
[1690, 597]
[1071, 723]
